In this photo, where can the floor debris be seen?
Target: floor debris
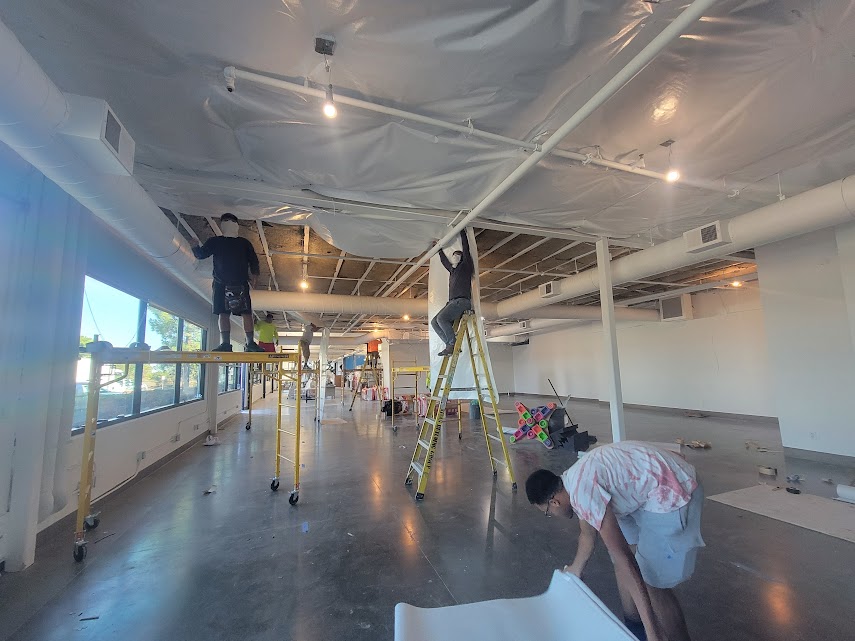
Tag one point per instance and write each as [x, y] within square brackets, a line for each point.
[829, 481]
[795, 478]
[210, 490]
[90, 619]
[767, 471]
[794, 490]
[695, 445]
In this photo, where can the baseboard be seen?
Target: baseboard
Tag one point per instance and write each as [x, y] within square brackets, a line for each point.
[819, 457]
[769, 420]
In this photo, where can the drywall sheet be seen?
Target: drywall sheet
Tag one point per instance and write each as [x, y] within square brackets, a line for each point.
[834, 518]
[567, 611]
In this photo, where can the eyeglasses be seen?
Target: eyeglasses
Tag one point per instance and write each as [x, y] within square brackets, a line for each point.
[547, 506]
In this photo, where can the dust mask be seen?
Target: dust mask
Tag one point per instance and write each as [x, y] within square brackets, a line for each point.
[455, 260]
[229, 228]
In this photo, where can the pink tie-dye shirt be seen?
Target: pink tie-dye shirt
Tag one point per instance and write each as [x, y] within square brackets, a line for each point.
[630, 475]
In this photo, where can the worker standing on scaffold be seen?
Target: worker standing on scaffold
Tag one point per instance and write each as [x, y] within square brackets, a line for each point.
[235, 267]
[461, 268]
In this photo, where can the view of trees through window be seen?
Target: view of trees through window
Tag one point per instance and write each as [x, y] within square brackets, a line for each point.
[121, 319]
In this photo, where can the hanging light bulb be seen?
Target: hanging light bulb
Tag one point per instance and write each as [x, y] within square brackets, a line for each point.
[330, 110]
[736, 283]
[304, 284]
[673, 174]
[406, 317]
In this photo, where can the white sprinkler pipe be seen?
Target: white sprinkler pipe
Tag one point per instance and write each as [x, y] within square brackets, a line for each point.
[639, 62]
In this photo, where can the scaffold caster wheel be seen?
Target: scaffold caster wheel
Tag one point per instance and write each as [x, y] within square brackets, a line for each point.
[95, 523]
[79, 553]
[408, 481]
[248, 425]
[274, 484]
[293, 498]
[459, 436]
[394, 428]
[495, 473]
[420, 496]
[514, 486]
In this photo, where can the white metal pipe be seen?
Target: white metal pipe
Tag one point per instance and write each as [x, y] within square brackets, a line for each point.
[639, 62]
[610, 344]
[826, 206]
[533, 326]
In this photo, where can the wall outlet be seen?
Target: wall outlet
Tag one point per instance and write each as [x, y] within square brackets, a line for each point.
[196, 427]
[140, 456]
[175, 438]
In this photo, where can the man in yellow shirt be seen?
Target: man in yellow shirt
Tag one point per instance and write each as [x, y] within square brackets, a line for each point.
[268, 337]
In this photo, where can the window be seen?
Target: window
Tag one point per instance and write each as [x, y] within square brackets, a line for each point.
[113, 316]
[121, 319]
[158, 379]
[190, 387]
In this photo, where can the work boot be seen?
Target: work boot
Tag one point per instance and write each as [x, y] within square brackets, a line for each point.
[448, 351]
[223, 347]
[252, 346]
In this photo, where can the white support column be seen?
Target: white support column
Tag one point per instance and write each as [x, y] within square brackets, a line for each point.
[607, 304]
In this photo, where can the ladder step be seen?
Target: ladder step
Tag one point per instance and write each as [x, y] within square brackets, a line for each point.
[424, 444]
[500, 462]
[418, 468]
[495, 438]
[431, 421]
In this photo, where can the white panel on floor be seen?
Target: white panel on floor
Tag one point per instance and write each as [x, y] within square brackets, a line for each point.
[567, 611]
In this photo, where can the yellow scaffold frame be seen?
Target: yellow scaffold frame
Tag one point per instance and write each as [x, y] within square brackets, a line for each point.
[86, 519]
[406, 370]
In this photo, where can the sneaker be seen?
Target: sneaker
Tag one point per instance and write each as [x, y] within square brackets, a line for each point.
[252, 346]
[223, 347]
[448, 351]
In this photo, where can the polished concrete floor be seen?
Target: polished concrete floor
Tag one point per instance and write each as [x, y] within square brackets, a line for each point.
[171, 563]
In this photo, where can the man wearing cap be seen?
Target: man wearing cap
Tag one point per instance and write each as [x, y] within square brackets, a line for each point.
[235, 268]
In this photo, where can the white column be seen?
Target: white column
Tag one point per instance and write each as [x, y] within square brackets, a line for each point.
[607, 304]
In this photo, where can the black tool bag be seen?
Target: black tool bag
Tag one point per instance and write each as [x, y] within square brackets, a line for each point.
[387, 407]
[237, 298]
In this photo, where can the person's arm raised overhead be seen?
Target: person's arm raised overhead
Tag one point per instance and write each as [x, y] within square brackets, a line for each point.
[467, 255]
[444, 259]
[203, 251]
[254, 268]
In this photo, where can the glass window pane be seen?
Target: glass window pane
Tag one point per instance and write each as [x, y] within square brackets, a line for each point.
[191, 377]
[222, 374]
[116, 400]
[113, 316]
[158, 379]
[192, 339]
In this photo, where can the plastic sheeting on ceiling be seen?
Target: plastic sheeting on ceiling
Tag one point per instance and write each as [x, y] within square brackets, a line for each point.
[755, 89]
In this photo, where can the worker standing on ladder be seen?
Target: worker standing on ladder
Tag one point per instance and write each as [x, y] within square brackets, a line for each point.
[372, 353]
[305, 341]
[461, 268]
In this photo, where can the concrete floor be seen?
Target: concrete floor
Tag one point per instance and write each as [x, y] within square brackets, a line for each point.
[241, 563]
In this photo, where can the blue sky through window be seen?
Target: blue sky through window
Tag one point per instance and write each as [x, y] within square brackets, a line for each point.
[110, 313]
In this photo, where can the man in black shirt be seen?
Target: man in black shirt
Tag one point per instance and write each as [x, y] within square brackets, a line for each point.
[235, 267]
[461, 269]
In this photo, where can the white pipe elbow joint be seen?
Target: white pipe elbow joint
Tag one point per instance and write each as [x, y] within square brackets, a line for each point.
[230, 76]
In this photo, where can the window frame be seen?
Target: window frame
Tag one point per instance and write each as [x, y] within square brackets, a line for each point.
[136, 401]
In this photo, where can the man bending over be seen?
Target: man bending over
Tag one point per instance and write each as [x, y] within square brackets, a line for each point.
[645, 502]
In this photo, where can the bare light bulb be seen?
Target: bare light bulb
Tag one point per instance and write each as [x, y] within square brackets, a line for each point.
[304, 284]
[672, 176]
[736, 283]
[406, 317]
[330, 110]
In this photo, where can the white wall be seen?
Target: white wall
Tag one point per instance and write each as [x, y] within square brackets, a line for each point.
[502, 360]
[808, 294]
[716, 362]
[50, 243]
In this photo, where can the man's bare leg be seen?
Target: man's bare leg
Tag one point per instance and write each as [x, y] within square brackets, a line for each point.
[630, 612]
[670, 614]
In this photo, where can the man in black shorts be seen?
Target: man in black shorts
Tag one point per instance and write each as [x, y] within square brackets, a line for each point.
[235, 267]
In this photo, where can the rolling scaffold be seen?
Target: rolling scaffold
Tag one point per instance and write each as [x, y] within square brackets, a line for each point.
[406, 370]
[105, 355]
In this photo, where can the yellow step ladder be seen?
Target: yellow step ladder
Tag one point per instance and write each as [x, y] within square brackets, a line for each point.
[466, 330]
[374, 373]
